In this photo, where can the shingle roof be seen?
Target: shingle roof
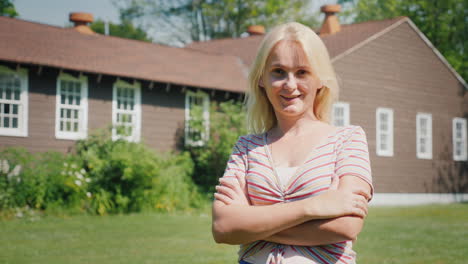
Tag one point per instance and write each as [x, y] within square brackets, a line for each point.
[39, 44]
[348, 37]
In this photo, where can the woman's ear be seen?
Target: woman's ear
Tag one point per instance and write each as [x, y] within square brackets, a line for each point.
[260, 83]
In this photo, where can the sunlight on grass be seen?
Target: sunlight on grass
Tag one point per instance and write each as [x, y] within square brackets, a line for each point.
[423, 234]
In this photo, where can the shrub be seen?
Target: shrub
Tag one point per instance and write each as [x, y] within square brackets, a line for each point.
[39, 180]
[130, 177]
[227, 123]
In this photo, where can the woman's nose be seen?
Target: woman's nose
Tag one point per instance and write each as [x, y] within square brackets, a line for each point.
[291, 82]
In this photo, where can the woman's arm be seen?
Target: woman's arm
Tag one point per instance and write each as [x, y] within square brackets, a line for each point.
[326, 231]
[354, 170]
[239, 223]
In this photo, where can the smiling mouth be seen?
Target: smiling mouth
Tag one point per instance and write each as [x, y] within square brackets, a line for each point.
[289, 98]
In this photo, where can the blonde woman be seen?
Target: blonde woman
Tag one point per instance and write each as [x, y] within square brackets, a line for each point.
[295, 190]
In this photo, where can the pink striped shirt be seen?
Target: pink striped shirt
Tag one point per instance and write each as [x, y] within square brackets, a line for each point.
[343, 152]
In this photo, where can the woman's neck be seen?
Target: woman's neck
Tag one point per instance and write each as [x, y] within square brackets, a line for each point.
[295, 126]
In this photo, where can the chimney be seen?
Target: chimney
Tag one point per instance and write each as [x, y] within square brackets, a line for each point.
[81, 21]
[330, 25]
[256, 30]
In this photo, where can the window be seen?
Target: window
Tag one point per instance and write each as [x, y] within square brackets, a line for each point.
[459, 139]
[13, 102]
[71, 114]
[126, 111]
[197, 117]
[340, 115]
[424, 136]
[384, 133]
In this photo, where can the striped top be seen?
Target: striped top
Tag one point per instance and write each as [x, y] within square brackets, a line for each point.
[342, 152]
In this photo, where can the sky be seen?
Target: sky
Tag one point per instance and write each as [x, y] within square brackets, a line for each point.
[55, 12]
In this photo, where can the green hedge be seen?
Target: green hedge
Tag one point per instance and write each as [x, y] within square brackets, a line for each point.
[104, 176]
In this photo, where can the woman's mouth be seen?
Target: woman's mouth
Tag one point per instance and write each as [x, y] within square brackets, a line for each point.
[289, 98]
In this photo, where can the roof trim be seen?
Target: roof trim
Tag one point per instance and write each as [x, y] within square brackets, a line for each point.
[369, 39]
[421, 35]
[436, 51]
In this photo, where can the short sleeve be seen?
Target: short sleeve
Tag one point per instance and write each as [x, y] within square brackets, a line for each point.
[353, 157]
[237, 162]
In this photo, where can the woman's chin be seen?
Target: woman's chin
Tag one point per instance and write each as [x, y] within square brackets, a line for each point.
[292, 110]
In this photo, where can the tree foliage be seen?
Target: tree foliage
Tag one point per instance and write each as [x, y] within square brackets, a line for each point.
[443, 22]
[183, 21]
[7, 8]
[227, 123]
[124, 30]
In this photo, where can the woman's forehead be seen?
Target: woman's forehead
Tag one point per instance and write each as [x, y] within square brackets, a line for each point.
[288, 51]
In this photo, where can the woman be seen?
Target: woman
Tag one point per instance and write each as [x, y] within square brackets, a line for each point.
[296, 190]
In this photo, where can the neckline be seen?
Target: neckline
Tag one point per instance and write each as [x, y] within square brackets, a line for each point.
[322, 142]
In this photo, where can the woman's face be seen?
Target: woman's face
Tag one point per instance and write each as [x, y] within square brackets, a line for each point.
[289, 81]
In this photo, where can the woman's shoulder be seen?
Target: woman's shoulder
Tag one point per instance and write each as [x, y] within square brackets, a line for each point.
[348, 131]
[251, 140]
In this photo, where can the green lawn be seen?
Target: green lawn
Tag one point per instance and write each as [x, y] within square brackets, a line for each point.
[424, 234]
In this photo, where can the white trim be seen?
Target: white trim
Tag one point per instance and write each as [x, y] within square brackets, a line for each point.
[346, 113]
[23, 111]
[206, 116]
[369, 39]
[420, 34]
[428, 153]
[389, 151]
[83, 108]
[434, 49]
[136, 112]
[464, 154]
[394, 199]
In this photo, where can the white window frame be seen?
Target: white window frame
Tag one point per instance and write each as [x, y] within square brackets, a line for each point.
[83, 108]
[345, 107]
[463, 156]
[382, 152]
[206, 116]
[22, 130]
[136, 112]
[419, 136]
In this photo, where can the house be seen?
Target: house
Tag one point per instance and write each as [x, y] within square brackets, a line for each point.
[412, 104]
[58, 84]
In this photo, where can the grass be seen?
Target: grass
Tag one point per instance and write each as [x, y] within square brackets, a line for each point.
[435, 234]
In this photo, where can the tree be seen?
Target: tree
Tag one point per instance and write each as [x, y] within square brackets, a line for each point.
[7, 8]
[443, 22]
[124, 30]
[182, 21]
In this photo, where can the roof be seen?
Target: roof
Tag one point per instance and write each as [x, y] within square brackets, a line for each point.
[39, 44]
[246, 48]
[348, 39]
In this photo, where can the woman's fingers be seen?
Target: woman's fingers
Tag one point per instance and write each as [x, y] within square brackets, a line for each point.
[241, 181]
[234, 185]
[335, 182]
[363, 193]
[226, 191]
[223, 198]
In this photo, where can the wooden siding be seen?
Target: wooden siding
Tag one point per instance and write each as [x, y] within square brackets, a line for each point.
[163, 112]
[399, 71]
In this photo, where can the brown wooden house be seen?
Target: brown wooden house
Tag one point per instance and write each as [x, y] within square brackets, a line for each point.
[57, 85]
[412, 104]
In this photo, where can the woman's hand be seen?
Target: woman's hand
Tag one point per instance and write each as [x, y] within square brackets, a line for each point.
[336, 203]
[232, 191]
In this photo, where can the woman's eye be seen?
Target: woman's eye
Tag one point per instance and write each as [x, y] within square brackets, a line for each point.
[278, 71]
[301, 72]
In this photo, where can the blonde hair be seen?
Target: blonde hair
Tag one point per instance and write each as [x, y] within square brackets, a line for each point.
[260, 114]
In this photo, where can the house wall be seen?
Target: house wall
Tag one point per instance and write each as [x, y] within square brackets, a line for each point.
[399, 71]
[163, 112]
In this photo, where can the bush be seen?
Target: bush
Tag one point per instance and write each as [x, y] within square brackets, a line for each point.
[39, 181]
[130, 177]
[227, 123]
